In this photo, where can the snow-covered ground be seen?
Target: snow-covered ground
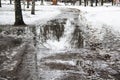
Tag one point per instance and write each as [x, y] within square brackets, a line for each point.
[42, 13]
[96, 16]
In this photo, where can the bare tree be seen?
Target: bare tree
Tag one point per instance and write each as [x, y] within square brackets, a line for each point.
[28, 3]
[33, 7]
[112, 2]
[80, 2]
[0, 3]
[96, 2]
[10, 1]
[18, 13]
[85, 2]
[91, 3]
[73, 2]
[41, 2]
[101, 2]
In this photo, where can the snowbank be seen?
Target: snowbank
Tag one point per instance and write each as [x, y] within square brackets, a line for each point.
[99, 16]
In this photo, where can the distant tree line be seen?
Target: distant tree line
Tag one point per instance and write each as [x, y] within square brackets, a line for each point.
[87, 1]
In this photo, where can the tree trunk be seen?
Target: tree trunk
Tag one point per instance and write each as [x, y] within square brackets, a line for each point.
[28, 3]
[80, 2]
[85, 2]
[0, 3]
[10, 1]
[33, 7]
[91, 3]
[18, 13]
[96, 2]
[101, 2]
[41, 2]
[112, 2]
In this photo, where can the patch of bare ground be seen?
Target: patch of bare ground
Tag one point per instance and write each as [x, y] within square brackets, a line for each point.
[66, 56]
[9, 42]
[60, 66]
[76, 56]
[72, 76]
[104, 74]
[11, 53]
